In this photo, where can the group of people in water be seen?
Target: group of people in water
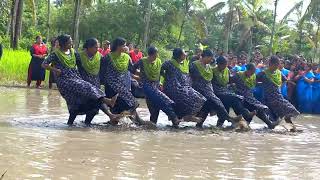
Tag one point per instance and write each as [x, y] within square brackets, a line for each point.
[185, 89]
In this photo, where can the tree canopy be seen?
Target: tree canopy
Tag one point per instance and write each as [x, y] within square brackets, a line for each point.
[232, 25]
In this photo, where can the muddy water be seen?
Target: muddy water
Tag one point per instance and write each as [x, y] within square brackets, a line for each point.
[37, 144]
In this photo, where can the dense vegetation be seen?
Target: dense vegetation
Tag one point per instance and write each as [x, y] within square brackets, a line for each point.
[236, 25]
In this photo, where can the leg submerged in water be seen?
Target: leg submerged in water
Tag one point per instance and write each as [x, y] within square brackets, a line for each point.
[114, 118]
[89, 118]
[71, 119]
[266, 119]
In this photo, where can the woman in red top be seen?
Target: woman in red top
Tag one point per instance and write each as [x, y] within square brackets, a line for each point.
[35, 71]
[136, 54]
[106, 48]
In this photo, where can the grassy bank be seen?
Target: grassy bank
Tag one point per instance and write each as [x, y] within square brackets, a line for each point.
[14, 67]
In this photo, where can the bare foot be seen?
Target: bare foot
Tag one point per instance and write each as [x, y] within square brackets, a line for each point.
[114, 118]
[253, 113]
[236, 119]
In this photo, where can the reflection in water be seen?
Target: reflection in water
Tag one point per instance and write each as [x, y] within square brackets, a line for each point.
[37, 144]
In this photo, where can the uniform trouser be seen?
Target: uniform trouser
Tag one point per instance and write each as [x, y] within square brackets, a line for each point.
[261, 114]
[209, 106]
[154, 110]
[230, 101]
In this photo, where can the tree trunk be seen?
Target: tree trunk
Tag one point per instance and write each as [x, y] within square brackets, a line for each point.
[300, 39]
[228, 28]
[181, 29]
[147, 24]
[273, 26]
[18, 25]
[10, 19]
[48, 23]
[76, 21]
[187, 7]
[34, 13]
[14, 10]
[249, 59]
[316, 44]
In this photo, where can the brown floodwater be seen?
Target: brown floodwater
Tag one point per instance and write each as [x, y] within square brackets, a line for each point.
[36, 143]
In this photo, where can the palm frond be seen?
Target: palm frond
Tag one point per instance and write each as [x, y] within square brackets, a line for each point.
[217, 7]
[294, 8]
[263, 26]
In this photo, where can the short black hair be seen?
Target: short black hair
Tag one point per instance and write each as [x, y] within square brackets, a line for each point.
[119, 41]
[63, 39]
[250, 66]
[221, 60]
[89, 43]
[207, 53]
[152, 50]
[38, 37]
[274, 60]
[177, 52]
[53, 41]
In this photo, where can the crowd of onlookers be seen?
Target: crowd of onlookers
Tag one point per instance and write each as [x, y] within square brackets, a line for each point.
[301, 78]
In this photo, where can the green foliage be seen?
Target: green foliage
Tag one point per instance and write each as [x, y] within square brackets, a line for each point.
[248, 20]
[14, 65]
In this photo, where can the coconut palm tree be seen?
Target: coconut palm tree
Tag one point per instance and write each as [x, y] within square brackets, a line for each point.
[251, 11]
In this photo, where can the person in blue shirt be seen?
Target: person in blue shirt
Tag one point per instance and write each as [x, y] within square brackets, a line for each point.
[304, 90]
[283, 70]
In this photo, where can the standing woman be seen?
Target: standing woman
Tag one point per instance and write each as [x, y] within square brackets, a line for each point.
[115, 75]
[81, 96]
[201, 74]
[177, 85]
[304, 90]
[150, 68]
[38, 53]
[316, 91]
[271, 80]
[54, 46]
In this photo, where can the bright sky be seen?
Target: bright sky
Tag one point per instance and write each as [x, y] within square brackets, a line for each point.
[283, 7]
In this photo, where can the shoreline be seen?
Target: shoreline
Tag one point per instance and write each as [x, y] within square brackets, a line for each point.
[20, 86]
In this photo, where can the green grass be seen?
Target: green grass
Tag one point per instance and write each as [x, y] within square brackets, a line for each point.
[14, 67]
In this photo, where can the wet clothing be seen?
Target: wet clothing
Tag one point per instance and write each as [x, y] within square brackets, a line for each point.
[177, 86]
[52, 78]
[155, 99]
[81, 96]
[250, 102]
[243, 90]
[278, 105]
[204, 86]
[228, 97]
[118, 81]
[35, 71]
[91, 78]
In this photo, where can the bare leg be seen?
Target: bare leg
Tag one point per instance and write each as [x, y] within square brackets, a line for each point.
[114, 118]
[111, 102]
